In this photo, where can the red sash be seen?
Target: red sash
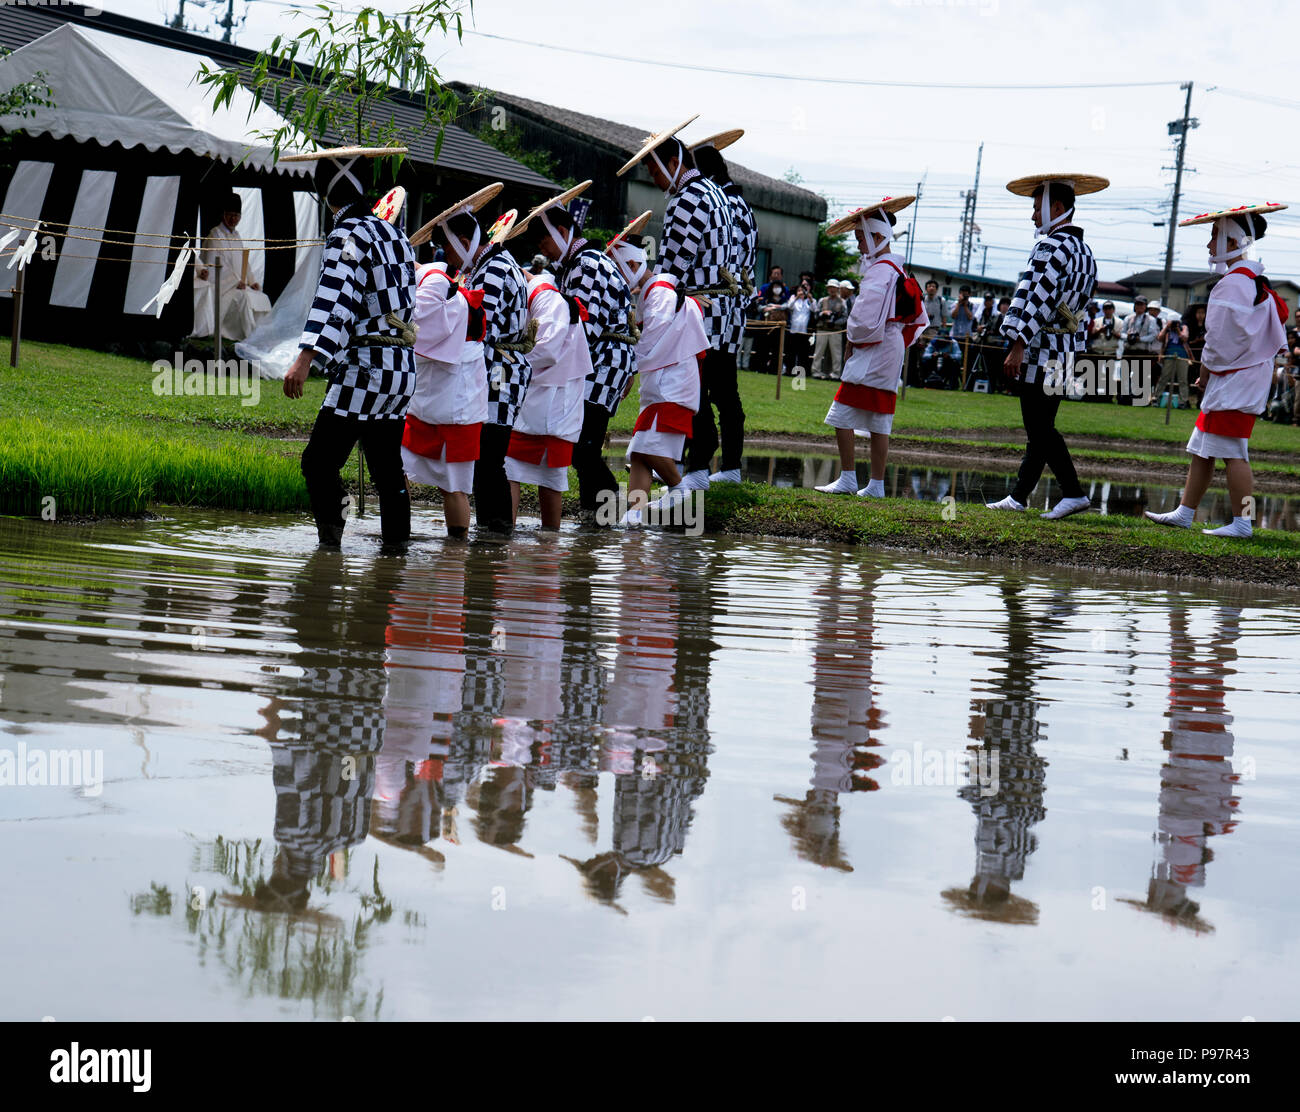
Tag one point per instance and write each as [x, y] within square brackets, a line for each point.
[1264, 289]
[866, 397]
[1226, 422]
[670, 417]
[461, 441]
[528, 448]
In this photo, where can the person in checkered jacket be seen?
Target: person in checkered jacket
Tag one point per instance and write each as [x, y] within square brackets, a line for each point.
[585, 272]
[1045, 327]
[698, 250]
[721, 388]
[358, 334]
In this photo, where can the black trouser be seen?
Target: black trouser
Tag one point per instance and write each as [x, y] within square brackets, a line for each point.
[718, 387]
[332, 440]
[1046, 446]
[798, 351]
[493, 508]
[594, 475]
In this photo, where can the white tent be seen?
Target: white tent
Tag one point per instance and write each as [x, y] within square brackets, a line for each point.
[110, 88]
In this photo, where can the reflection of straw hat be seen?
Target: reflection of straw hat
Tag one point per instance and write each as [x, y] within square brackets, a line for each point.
[343, 152]
[1004, 907]
[558, 201]
[720, 141]
[389, 206]
[634, 228]
[472, 203]
[1080, 183]
[886, 204]
[1240, 210]
[653, 142]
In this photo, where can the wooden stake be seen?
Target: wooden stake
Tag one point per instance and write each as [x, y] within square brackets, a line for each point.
[216, 310]
[780, 357]
[361, 481]
[16, 333]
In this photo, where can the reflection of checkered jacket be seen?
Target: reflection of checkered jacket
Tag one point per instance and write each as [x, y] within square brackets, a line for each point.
[322, 799]
[1061, 269]
[697, 245]
[367, 271]
[505, 305]
[591, 276]
[746, 244]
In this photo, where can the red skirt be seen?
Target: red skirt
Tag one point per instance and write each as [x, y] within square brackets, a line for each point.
[1226, 422]
[528, 448]
[671, 417]
[866, 397]
[461, 441]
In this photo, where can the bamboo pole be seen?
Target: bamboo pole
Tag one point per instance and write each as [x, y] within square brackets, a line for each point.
[780, 357]
[16, 333]
[361, 481]
[216, 311]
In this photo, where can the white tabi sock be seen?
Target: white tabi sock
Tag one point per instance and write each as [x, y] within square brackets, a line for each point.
[1240, 527]
[1181, 518]
[847, 483]
[874, 489]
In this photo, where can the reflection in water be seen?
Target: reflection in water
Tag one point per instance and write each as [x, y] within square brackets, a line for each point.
[1008, 731]
[559, 698]
[1197, 780]
[845, 718]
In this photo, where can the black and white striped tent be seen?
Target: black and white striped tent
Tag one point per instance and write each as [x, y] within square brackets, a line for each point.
[130, 153]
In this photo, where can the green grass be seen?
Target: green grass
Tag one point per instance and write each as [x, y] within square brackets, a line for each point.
[922, 412]
[1088, 540]
[59, 471]
[87, 429]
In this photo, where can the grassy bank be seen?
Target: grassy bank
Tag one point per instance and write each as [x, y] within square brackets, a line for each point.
[1085, 541]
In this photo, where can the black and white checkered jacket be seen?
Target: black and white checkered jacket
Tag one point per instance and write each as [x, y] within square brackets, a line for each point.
[367, 271]
[697, 245]
[1061, 269]
[590, 275]
[745, 237]
[505, 306]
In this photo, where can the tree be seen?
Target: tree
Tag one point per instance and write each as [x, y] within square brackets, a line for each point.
[510, 141]
[355, 60]
[21, 100]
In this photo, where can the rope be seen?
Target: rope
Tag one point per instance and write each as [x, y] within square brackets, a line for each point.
[25, 223]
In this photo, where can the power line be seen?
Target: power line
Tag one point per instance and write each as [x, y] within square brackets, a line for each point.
[771, 76]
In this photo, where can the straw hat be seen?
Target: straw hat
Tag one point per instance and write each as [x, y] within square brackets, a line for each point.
[1080, 183]
[720, 141]
[886, 204]
[1240, 210]
[343, 152]
[653, 142]
[634, 228]
[389, 206]
[472, 203]
[558, 201]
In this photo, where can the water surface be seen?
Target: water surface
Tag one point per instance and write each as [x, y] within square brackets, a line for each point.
[635, 775]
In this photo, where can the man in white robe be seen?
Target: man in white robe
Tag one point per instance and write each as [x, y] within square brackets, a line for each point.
[243, 303]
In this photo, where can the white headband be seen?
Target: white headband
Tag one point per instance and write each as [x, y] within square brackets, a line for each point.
[345, 171]
[1045, 222]
[562, 244]
[1219, 256]
[453, 240]
[877, 222]
[631, 262]
[672, 178]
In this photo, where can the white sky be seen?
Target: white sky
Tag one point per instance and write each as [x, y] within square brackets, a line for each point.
[854, 144]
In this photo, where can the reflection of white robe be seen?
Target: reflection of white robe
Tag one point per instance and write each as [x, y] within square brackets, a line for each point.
[240, 309]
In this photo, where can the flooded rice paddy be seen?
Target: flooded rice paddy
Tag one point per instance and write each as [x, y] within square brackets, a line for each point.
[620, 776]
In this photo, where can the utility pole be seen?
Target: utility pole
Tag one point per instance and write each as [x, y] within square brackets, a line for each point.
[985, 264]
[911, 228]
[1179, 128]
[968, 217]
[228, 22]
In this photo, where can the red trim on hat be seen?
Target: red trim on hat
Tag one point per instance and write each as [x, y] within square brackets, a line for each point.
[527, 448]
[866, 397]
[1226, 422]
[424, 439]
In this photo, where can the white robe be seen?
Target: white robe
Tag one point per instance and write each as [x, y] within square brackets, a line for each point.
[240, 309]
[880, 362]
[1240, 337]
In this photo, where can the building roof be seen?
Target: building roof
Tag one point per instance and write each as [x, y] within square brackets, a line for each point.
[623, 139]
[1179, 279]
[969, 279]
[460, 150]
